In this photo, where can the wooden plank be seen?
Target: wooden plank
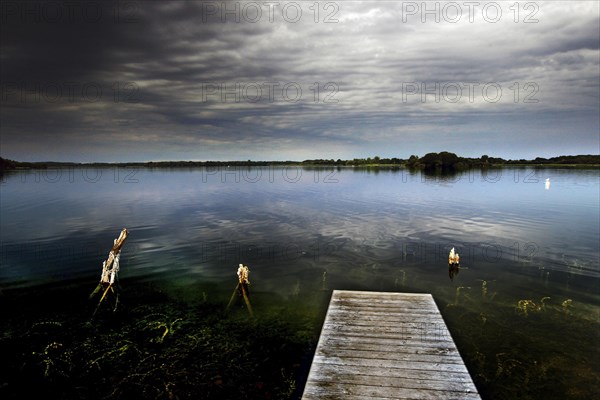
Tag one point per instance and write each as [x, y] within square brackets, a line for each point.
[376, 345]
[398, 352]
[381, 378]
[381, 354]
[345, 391]
[389, 364]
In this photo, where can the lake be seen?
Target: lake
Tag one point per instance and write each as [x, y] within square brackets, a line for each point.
[524, 308]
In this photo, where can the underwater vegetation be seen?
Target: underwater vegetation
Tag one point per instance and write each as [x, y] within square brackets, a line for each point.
[525, 348]
[152, 347]
[187, 342]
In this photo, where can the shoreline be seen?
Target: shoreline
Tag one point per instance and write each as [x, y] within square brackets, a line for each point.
[211, 164]
[443, 161]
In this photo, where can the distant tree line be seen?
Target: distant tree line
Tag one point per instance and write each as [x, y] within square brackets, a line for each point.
[447, 160]
[356, 161]
[430, 161]
[6, 164]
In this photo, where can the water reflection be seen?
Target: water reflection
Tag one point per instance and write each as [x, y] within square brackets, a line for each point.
[528, 257]
[198, 222]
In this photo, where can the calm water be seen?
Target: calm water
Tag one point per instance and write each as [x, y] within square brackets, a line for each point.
[304, 232]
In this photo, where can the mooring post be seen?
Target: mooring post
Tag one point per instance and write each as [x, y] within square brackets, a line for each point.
[110, 270]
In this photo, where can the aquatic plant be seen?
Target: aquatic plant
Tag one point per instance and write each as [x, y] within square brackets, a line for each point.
[505, 364]
[566, 306]
[289, 383]
[483, 318]
[479, 358]
[485, 289]
[524, 307]
[458, 292]
[457, 296]
[207, 354]
[402, 281]
[510, 366]
[46, 324]
[50, 356]
[106, 356]
[164, 325]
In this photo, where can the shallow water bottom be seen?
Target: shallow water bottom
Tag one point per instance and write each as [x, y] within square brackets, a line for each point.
[170, 340]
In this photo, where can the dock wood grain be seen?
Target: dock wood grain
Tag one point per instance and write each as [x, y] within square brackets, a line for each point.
[380, 345]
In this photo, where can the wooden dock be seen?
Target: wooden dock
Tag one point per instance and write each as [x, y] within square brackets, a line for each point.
[377, 345]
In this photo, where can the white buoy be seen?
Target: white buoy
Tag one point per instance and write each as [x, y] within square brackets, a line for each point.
[547, 184]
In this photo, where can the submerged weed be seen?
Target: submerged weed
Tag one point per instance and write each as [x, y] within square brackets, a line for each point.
[505, 364]
[524, 307]
[566, 306]
[459, 291]
[160, 322]
[400, 281]
[48, 356]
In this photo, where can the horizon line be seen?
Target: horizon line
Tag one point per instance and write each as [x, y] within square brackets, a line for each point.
[284, 161]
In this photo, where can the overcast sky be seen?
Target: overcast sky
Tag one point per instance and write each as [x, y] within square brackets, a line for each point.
[293, 80]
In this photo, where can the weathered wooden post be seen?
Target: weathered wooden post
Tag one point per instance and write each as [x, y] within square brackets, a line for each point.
[110, 270]
[453, 264]
[242, 287]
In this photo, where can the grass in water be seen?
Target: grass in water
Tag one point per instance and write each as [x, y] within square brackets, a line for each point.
[526, 351]
[181, 344]
[153, 347]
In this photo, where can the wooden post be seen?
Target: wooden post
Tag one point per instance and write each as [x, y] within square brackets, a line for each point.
[453, 264]
[110, 270]
[242, 287]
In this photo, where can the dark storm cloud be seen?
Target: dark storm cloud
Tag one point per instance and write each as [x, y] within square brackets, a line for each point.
[179, 80]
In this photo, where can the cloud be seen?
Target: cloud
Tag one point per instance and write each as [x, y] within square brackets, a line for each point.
[187, 80]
